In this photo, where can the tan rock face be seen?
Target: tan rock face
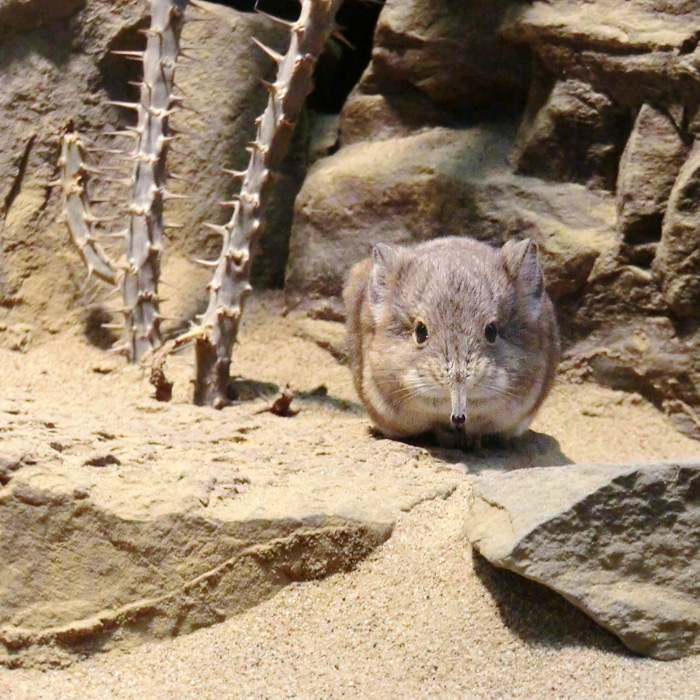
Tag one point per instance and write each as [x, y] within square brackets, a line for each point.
[653, 156]
[577, 135]
[435, 62]
[648, 359]
[63, 71]
[103, 576]
[633, 51]
[618, 541]
[678, 256]
[451, 53]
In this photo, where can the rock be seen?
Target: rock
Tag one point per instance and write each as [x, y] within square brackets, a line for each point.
[615, 294]
[439, 182]
[649, 165]
[63, 72]
[646, 356]
[638, 51]
[577, 135]
[433, 61]
[19, 15]
[677, 259]
[101, 574]
[88, 575]
[620, 542]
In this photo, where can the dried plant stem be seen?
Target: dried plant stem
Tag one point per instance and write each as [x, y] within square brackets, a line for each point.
[145, 232]
[230, 285]
[76, 210]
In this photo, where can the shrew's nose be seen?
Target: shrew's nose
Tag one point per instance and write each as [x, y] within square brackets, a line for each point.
[459, 419]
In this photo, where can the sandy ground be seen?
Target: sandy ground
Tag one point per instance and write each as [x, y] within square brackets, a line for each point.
[420, 618]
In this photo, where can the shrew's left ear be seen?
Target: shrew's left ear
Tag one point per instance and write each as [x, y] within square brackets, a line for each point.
[522, 266]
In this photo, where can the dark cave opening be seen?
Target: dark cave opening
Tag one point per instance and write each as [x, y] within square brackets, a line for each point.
[120, 75]
[344, 59]
[338, 71]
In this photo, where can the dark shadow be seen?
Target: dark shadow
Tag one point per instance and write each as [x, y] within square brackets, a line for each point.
[53, 41]
[539, 616]
[342, 63]
[321, 397]
[94, 320]
[531, 449]
[119, 75]
[241, 390]
[415, 109]
[284, 9]
[343, 60]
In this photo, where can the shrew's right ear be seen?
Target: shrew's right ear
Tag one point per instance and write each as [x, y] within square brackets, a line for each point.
[383, 255]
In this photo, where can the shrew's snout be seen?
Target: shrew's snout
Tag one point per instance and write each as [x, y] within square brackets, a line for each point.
[458, 400]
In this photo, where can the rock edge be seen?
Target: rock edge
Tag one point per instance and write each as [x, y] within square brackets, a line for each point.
[621, 542]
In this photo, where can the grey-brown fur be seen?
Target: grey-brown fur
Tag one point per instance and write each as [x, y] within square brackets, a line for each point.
[455, 287]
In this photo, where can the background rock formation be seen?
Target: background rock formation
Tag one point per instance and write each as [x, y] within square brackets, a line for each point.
[571, 122]
[599, 166]
[58, 67]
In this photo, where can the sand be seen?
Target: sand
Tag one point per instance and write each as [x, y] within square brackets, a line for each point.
[421, 617]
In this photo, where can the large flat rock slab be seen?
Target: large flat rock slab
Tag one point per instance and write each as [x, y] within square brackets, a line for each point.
[80, 576]
[113, 546]
[621, 542]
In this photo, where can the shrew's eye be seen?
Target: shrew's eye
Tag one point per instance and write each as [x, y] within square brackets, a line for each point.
[491, 333]
[420, 333]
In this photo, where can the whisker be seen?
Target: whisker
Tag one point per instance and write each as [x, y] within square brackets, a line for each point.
[409, 391]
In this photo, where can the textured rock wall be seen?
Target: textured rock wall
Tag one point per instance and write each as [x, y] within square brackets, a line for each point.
[599, 164]
[571, 122]
[56, 66]
[436, 63]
